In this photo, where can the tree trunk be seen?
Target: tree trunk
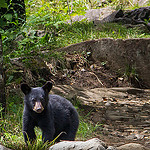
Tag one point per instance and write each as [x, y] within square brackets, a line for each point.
[2, 79]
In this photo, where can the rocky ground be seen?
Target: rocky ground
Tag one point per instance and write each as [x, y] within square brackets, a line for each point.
[122, 109]
[123, 112]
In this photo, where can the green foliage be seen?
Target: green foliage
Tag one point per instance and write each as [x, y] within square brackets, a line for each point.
[118, 31]
[123, 4]
[87, 128]
[130, 73]
[11, 126]
[3, 4]
[3, 23]
[12, 14]
[38, 145]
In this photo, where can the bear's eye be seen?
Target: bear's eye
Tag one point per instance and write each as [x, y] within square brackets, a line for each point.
[42, 99]
[33, 99]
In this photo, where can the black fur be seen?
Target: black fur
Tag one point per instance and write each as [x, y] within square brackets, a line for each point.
[58, 115]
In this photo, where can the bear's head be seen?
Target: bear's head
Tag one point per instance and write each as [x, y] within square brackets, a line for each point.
[36, 98]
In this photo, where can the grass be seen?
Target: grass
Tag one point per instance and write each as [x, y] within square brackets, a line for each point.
[66, 35]
[11, 128]
[51, 18]
[87, 129]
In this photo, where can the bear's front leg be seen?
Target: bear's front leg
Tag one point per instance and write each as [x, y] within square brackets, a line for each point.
[46, 124]
[28, 129]
[47, 136]
[48, 131]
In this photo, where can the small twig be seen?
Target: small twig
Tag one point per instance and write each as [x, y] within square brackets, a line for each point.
[69, 11]
[71, 7]
[97, 78]
[131, 3]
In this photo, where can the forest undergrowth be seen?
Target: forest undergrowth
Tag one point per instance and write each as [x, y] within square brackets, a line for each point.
[48, 19]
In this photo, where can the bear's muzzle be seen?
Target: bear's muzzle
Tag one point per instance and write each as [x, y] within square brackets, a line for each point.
[38, 108]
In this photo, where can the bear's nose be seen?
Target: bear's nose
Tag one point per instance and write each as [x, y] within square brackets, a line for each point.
[38, 108]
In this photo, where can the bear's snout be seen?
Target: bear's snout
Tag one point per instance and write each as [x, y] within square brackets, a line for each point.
[38, 108]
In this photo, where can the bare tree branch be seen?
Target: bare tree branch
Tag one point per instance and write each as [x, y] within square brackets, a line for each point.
[2, 79]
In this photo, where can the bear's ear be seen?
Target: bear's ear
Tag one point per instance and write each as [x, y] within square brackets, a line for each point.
[25, 89]
[47, 87]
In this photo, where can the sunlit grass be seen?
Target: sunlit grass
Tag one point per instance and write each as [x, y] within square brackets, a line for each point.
[87, 129]
[51, 17]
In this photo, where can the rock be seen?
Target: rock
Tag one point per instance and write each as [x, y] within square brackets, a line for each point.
[98, 94]
[120, 109]
[132, 146]
[118, 53]
[131, 137]
[3, 148]
[83, 70]
[126, 118]
[108, 104]
[120, 47]
[94, 14]
[129, 90]
[135, 17]
[92, 144]
[111, 148]
[139, 136]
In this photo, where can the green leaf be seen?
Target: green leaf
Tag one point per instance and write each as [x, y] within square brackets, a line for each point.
[2, 23]
[3, 4]
[10, 78]
[8, 17]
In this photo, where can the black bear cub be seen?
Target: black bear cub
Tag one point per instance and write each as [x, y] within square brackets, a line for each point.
[52, 113]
